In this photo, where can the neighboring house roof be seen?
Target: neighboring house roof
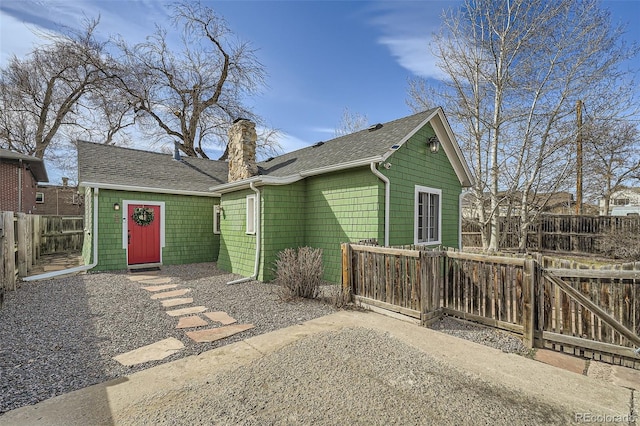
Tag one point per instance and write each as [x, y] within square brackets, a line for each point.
[36, 165]
[357, 149]
[107, 166]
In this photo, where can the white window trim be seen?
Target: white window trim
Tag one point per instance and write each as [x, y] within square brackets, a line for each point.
[217, 215]
[41, 200]
[425, 189]
[251, 215]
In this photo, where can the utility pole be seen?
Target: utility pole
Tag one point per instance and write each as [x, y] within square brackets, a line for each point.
[579, 159]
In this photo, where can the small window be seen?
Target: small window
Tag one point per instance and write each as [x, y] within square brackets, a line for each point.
[251, 214]
[427, 215]
[216, 219]
[621, 202]
[39, 197]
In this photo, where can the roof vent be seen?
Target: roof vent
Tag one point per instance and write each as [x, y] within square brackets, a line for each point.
[375, 127]
[318, 144]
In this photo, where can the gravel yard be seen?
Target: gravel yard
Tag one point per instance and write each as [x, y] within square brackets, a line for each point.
[61, 335]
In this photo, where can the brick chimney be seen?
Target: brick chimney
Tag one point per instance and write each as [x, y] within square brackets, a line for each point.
[242, 150]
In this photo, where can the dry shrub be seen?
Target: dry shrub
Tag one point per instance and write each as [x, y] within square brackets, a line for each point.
[299, 272]
[621, 244]
[340, 296]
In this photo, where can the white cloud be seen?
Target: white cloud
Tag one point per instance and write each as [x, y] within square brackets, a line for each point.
[413, 54]
[407, 29]
[16, 38]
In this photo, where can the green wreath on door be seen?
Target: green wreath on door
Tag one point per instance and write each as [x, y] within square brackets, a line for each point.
[143, 216]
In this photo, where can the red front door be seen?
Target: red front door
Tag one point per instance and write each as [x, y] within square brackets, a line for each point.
[143, 239]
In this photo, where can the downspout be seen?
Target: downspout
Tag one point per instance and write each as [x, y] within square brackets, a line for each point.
[460, 197]
[258, 242]
[20, 186]
[82, 268]
[387, 196]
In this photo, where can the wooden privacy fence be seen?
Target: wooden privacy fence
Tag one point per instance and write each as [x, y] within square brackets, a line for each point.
[24, 238]
[558, 233]
[586, 312]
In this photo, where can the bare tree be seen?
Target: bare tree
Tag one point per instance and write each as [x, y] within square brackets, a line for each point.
[351, 122]
[515, 69]
[192, 95]
[42, 94]
[613, 152]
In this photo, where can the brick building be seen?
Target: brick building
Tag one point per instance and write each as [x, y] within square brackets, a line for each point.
[19, 177]
[60, 200]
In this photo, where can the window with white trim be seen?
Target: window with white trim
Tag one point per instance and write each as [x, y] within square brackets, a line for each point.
[251, 214]
[216, 219]
[39, 197]
[428, 212]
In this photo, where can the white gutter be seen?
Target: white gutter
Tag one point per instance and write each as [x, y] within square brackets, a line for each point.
[286, 180]
[258, 242]
[387, 195]
[82, 268]
[117, 187]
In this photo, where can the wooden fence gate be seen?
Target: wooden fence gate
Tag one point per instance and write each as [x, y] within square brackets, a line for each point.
[586, 312]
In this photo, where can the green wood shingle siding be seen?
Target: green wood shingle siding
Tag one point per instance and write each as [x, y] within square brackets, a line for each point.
[189, 236]
[323, 211]
[237, 248]
[343, 207]
[283, 223]
[413, 164]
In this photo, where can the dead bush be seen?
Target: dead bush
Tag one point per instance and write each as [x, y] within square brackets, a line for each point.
[299, 272]
[621, 244]
[340, 297]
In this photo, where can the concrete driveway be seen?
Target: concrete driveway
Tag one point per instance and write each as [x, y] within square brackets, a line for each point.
[339, 369]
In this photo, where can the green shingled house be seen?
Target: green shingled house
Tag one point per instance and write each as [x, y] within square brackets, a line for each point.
[398, 183]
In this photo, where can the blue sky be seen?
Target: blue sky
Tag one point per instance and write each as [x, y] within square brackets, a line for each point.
[321, 56]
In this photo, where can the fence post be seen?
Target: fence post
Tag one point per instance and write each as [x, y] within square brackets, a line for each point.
[22, 244]
[9, 252]
[346, 268]
[35, 246]
[528, 303]
[29, 242]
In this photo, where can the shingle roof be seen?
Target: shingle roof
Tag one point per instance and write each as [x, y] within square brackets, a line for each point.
[106, 164]
[353, 147]
[36, 165]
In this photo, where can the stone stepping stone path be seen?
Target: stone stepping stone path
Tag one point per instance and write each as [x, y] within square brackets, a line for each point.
[176, 302]
[191, 321]
[152, 352]
[169, 297]
[167, 294]
[213, 334]
[221, 317]
[160, 287]
[186, 311]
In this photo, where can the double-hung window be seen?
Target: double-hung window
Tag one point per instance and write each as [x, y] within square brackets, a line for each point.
[251, 214]
[428, 212]
[217, 214]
